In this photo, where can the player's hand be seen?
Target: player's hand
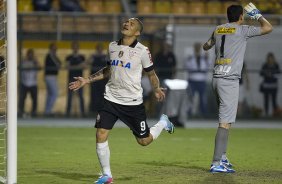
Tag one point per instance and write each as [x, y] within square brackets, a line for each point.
[252, 11]
[160, 94]
[80, 82]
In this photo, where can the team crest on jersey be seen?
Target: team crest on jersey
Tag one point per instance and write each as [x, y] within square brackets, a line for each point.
[120, 54]
[120, 63]
[131, 53]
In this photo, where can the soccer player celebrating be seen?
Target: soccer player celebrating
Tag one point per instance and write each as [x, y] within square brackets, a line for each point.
[230, 41]
[123, 94]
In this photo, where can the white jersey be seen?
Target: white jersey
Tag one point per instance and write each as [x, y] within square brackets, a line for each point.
[127, 64]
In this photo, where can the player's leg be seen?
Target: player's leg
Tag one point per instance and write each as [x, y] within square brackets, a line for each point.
[221, 141]
[104, 123]
[135, 118]
[103, 151]
[227, 93]
[155, 131]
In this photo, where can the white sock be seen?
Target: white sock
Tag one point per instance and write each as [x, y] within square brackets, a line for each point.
[103, 153]
[157, 129]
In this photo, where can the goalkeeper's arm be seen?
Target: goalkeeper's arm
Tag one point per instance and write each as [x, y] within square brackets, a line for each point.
[265, 26]
[254, 13]
[210, 43]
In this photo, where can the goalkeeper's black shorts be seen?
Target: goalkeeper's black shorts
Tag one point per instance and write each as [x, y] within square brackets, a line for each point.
[134, 116]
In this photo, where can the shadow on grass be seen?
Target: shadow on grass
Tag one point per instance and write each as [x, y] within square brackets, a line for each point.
[271, 174]
[78, 176]
[205, 177]
[219, 178]
[175, 164]
[70, 175]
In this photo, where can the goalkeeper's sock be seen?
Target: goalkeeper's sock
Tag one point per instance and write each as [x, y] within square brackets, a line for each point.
[157, 129]
[221, 140]
[224, 144]
[224, 157]
[103, 153]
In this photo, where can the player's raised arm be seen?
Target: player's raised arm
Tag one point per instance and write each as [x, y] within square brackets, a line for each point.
[80, 81]
[210, 43]
[154, 80]
[254, 13]
[266, 27]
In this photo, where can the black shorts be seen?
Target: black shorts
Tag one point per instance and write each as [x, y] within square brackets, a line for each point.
[133, 116]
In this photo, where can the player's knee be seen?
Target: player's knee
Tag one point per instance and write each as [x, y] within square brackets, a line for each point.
[225, 125]
[101, 135]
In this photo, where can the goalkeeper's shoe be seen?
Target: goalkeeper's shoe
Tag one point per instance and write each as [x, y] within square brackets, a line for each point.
[169, 125]
[221, 169]
[104, 179]
[226, 163]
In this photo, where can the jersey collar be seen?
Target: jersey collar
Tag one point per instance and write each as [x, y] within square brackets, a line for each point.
[132, 45]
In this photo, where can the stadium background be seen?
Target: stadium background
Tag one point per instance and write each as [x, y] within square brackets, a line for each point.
[180, 23]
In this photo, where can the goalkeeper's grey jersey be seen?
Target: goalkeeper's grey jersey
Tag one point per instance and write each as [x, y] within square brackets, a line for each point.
[127, 64]
[230, 45]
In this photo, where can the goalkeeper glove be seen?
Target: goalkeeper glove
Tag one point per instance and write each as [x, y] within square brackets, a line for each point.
[252, 11]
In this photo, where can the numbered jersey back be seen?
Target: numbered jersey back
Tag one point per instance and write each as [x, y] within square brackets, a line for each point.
[230, 45]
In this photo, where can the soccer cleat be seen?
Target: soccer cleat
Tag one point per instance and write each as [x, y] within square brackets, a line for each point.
[169, 125]
[221, 169]
[104, 179]
[226, 163]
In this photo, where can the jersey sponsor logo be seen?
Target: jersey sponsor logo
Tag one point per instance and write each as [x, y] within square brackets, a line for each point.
[120, 63]
[223, 61]
[225, 30]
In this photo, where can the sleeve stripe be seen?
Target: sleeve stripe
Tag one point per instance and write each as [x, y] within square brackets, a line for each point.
[150, 68]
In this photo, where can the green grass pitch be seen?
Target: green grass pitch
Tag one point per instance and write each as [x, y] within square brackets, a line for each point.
[67, 156]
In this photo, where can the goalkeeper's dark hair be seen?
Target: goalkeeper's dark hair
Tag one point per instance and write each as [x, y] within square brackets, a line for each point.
[234, 12]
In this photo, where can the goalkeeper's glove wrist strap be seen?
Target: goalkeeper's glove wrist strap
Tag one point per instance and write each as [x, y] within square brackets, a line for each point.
[257, 16]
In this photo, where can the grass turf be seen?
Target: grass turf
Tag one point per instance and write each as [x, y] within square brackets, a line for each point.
[67, 156]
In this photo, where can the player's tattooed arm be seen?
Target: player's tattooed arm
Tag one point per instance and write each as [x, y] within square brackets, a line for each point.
[210, 43]
[155, 83]
[80, 81]
[101, 74]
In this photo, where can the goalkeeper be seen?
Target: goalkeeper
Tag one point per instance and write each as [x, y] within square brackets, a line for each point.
[230, 42]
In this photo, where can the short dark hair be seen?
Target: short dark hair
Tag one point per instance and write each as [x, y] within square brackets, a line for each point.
[234, 12]
[140, 24]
